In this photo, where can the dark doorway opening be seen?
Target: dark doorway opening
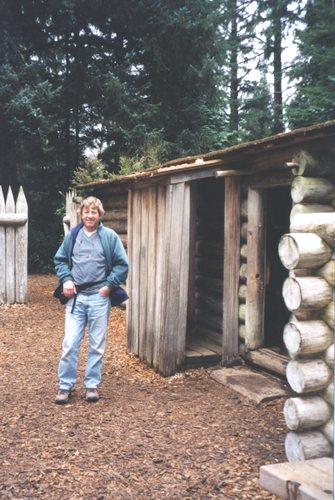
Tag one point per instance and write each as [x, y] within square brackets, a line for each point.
[204, 332]
[279, 206]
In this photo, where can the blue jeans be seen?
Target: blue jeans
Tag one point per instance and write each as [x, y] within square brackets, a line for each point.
[91, 311]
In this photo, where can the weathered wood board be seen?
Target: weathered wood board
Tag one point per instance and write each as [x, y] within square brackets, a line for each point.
[311, 479]
[255, 386]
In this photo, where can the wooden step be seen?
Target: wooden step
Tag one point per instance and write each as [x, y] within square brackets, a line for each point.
[311, 479]
[201, 352]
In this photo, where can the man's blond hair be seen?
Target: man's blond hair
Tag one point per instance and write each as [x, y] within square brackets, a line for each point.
[92, 202]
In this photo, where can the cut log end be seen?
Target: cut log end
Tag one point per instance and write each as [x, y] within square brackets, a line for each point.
[306, 413]
[292, 294]
[308, 376]
[301, 446]
[329, 356]
[311, 190]
[303, 250]
[306, 292]
[328, 430]
[305, 338]
[328, 394]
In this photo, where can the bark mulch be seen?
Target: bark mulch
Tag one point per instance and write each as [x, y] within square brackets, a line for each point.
[148, 437]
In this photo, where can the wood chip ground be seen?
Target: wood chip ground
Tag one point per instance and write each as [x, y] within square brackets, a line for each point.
[148, 437]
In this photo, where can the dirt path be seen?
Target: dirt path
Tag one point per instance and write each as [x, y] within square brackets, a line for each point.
[148, 437]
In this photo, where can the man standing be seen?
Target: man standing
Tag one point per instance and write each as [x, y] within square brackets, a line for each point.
[90, 263]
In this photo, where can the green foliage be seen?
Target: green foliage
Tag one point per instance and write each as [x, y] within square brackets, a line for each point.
[150, 155]
[78, 75]
[257, 116]
[91, 169]
[314, 68]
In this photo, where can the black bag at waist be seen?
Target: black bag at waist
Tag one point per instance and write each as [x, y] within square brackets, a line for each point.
[116, 295]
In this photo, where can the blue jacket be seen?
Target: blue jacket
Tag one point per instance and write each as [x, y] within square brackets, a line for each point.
[116, 258]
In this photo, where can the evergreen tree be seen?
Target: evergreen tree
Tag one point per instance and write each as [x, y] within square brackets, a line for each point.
[257, 112]
[177, 56]
[239, 22]
[278, 15]
[314, 68]
[76, 74]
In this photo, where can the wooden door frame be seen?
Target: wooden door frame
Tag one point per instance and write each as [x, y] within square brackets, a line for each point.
[256, 248]
[257, 254]
[231, 267]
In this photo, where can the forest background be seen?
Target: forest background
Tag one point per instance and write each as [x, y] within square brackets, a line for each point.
[139, 82]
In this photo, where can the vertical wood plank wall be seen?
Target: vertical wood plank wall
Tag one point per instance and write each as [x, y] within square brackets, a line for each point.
[231, 269]
[158, 232]
[129, 303]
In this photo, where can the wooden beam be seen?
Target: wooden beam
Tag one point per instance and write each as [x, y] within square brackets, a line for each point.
[194, 176]
[268, 359]
[256, 270]
[231, 269]
[13, 219]
[129, 303]
[270, 179]
[192, 257]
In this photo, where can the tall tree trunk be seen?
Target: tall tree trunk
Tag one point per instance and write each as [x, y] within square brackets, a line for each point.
[233, 42]
[119, 59]
[67, 118]
[277, 68]
[77, 130]
[77, 88]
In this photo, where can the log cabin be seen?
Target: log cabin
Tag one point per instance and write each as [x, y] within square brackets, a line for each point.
[233, 256]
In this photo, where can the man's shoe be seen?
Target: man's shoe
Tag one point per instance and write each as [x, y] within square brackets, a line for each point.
[62, 397]
[92, 395]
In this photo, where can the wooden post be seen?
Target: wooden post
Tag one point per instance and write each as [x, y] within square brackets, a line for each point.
[71, 218]
[162, 249]
[129, 303]
[192, 258]
[66, 218]
[73, 209]
[10, 251]
[231, 267]
[21, 251]
[255, 275]
[2, 252]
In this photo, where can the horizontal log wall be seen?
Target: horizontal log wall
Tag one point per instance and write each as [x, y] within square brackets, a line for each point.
[115, 217]
[158, 247]
[208, 240]
[115, 203]
[308, 252]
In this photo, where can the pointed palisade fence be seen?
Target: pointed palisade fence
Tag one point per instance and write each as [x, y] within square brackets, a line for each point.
[13, 248]
[71, 217]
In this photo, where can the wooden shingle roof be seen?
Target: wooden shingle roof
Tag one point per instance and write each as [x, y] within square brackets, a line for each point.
[249, 154]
